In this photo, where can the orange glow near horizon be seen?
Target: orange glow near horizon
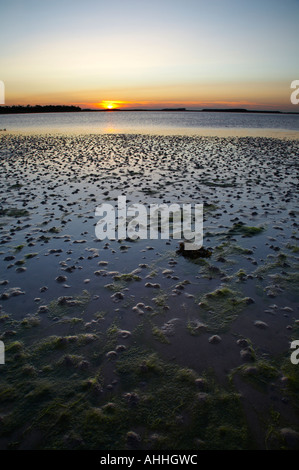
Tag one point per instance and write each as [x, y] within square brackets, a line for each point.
[157, 104]
[106, 104]
[250, 95]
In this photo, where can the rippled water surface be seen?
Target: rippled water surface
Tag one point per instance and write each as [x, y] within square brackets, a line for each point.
[130, 121]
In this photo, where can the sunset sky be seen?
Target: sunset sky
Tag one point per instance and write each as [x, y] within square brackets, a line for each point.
[149, 54]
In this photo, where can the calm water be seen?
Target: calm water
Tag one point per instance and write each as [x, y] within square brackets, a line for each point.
[130, 121]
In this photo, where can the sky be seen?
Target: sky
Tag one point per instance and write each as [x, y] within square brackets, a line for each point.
[150, 54]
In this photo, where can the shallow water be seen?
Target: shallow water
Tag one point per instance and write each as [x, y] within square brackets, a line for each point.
[201, 123]
[60, 180]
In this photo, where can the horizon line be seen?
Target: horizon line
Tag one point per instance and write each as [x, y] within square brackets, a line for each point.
[76, 108]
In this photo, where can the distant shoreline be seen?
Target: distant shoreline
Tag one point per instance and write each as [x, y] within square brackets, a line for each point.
[76, 109]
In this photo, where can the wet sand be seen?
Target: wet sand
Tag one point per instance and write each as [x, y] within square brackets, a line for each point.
[128, 344]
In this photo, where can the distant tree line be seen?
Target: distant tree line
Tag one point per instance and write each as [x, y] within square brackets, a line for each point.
[39, 109]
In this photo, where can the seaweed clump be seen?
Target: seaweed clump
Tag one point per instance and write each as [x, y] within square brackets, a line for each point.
[221, 307]
[240, 228]
[194, 254]
[13, 212]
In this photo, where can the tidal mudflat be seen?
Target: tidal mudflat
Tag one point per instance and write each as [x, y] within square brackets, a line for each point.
[129, 344]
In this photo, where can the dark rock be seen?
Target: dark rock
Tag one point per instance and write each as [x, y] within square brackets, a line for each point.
[215, 339]
[60, 278]
[260, 324]
[194, 254]
[247, 355]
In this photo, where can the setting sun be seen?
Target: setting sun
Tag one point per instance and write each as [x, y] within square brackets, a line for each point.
[109, 105]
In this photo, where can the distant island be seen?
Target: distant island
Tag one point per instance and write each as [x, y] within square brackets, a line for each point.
[18, 109]
[39, 109]
[174, 109]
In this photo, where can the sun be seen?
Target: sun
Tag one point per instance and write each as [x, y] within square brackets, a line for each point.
[109, 105]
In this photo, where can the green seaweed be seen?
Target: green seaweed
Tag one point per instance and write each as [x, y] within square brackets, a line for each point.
[209, 208]
[220, 308]
[246, 231]
[293, 248]
[14, 212]
[30, 321]
[58, 308]
[30, 255]
[161, 299]
[289, 281]
[54, 230]
[279, 261]
[127, 277]
[241, 275]
[159, 335]
[51, 393]
[19, 248]
[260, 374]
[211, 271]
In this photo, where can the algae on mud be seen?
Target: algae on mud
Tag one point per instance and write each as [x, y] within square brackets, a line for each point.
[61, 395]
[219, 308]
[89, 369]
